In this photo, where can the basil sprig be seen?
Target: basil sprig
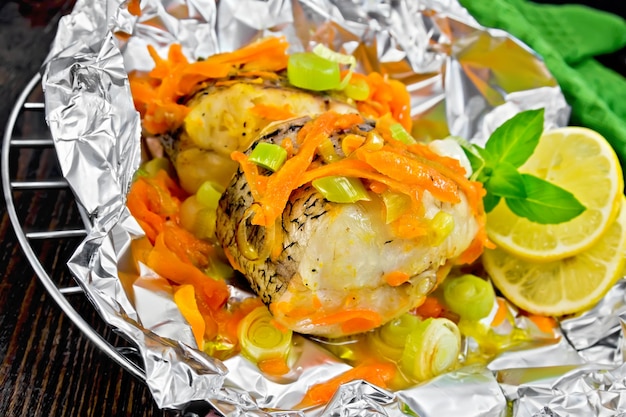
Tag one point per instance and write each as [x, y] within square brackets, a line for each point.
[496, 167]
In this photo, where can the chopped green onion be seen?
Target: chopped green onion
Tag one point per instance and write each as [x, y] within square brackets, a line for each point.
[441, 225]
[395, 205]
[388, 340]
[209, 194]
[327, 150]
[312, 72]
[338, 189]
[431, 349]
[469, 296]
[260, 339]
[398, 132]
[359, 90]
[155, 165]
[151, 167]
[269, 156]
[342, 59]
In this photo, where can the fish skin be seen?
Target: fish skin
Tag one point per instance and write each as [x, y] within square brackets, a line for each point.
[269, 278]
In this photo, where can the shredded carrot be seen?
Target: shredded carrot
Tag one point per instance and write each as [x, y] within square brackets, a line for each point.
[387, 96]
[411, 224]
[501, 313]
[274, 366]
[134, 7]
[479, 243]
[256, 181]
[186, 246]
[377, 373]
[287, 144]
[431, 307]
[405, 169]
[157, 93]
[396, 278]
[185, 299]
[282, 182]
[351, 143]
[400, 104]
[355, 168]
[288, 310]
[272, 113]
[474, 193]
[545, 324]
[211, 325]
[153, 201]
[378, 187]
[351, 320]
[165, 263]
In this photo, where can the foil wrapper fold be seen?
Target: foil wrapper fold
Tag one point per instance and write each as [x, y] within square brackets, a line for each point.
[463, 79]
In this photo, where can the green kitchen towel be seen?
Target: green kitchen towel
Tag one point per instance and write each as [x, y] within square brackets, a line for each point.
[568, 37]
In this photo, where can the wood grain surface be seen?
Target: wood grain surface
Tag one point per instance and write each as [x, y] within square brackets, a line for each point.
[47, 366]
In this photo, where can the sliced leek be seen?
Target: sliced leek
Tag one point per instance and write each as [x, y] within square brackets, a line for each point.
[260, 339]
[151, 167]
[398, 132]
[327, 151]
[339, 189]
[469, 296]
[388, 341]
[358, 89]
[209, 194]
[269, 156]
[312, 72]
[440, 227]
[431, 349]
[343, 59]
[396, 204]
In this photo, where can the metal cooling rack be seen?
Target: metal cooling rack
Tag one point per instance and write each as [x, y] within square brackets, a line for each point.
[27, 239]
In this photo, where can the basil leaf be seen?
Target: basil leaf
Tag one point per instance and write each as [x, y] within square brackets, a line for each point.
[476, 161]
[516, 139]
[490, 201]
[486, 155]
[545, 202]
[506, 181]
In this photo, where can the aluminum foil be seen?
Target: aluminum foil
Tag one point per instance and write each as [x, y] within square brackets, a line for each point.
[464, 80]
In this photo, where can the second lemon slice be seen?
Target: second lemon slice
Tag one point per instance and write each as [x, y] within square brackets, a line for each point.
[567, 286]
[581, 161]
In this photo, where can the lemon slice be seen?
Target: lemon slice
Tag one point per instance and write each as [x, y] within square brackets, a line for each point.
[581, 161]
[565, 286]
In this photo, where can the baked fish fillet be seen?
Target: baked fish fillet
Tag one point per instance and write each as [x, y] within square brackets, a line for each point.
[222, 119]
[324, 269]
